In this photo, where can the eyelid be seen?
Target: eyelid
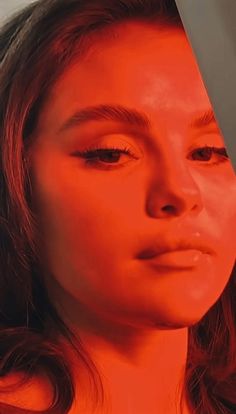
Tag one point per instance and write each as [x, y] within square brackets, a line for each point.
[120, 143]
[118, 139]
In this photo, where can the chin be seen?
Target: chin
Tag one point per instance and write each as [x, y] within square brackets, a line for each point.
[178, 320]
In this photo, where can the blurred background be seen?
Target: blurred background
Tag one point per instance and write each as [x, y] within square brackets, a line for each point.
[9, 6]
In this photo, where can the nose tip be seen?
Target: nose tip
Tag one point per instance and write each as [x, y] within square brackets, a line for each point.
[175, 205]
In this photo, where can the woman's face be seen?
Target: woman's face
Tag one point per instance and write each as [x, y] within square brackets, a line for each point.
[98, 215]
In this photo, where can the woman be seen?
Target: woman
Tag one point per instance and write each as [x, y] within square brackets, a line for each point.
[111, 164]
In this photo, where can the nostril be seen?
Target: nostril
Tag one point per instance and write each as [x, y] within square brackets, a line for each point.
[168, 208]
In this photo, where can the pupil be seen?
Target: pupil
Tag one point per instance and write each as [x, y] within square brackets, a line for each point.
[111, 156]
[206, 151]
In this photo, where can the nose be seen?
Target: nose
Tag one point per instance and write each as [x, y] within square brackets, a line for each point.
[173, 192]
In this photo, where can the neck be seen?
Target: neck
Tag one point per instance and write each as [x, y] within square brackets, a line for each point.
[149, 376]
[142, 369]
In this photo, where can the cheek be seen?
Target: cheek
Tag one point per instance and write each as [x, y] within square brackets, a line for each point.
[220, 204]
[225, 210]
[80, 226]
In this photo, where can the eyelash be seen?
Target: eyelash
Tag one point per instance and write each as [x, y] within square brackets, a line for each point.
[92, 154]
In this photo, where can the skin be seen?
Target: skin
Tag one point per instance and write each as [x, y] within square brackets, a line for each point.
[132, 318]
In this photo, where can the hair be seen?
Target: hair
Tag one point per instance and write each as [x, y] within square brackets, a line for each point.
[37, 44]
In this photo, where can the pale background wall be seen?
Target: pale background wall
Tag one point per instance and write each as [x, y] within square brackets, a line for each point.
[9, 6]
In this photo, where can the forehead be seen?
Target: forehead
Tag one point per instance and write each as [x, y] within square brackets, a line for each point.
[148, 67]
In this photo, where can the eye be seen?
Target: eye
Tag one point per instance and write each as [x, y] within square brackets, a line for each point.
[110, 155]
[205, 154]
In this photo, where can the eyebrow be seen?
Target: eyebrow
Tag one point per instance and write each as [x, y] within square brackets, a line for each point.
[125, 115]
[205, 119]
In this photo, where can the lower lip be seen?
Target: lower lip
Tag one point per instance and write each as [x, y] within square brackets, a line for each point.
[180, 259]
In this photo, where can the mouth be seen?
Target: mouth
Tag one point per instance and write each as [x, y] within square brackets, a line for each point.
[179, 259]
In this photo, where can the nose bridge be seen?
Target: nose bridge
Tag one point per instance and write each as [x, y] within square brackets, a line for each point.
[174, 166]
[173, 187]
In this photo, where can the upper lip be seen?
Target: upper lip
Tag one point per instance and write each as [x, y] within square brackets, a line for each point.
[171, 244]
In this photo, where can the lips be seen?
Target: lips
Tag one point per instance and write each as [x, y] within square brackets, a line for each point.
[172, 244]
[181, 259]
